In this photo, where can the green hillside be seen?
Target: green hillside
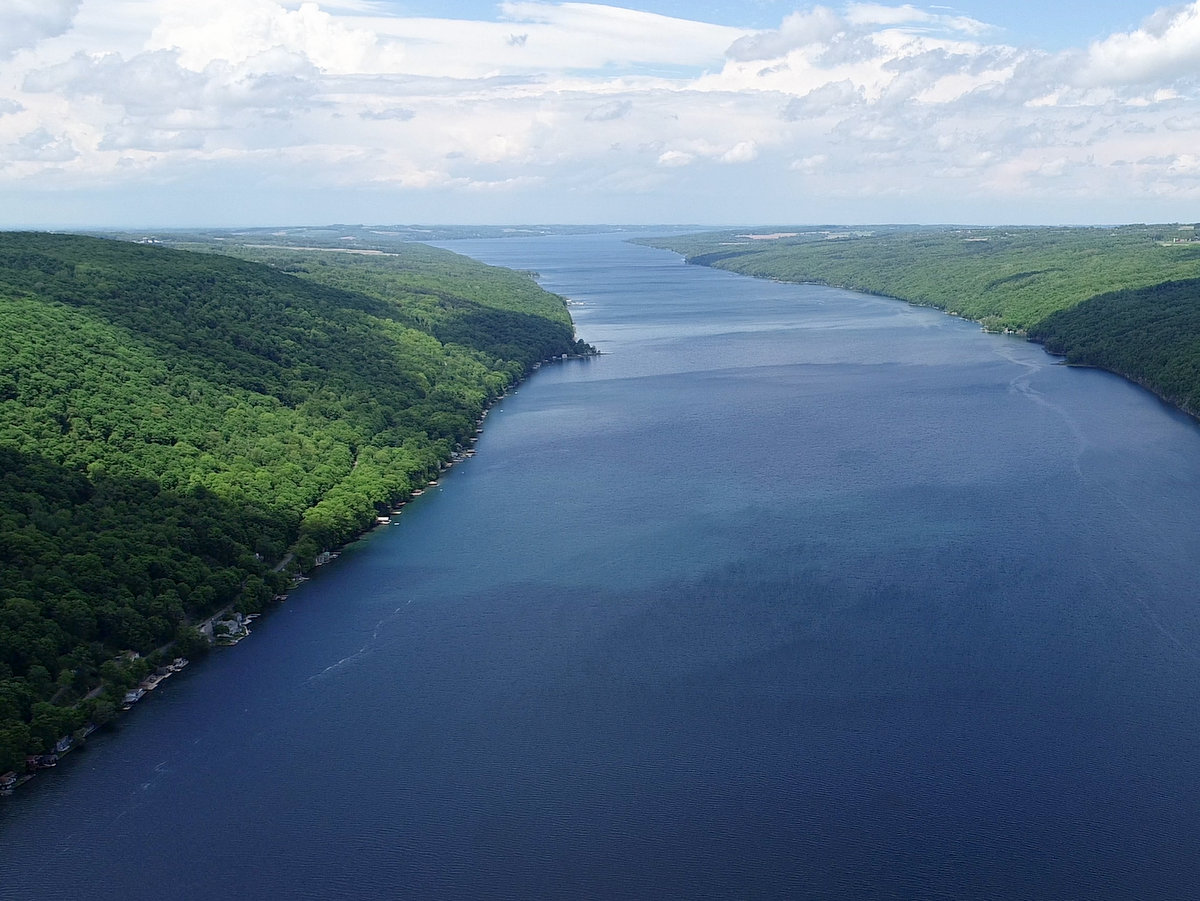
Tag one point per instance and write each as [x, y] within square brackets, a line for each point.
[172, 423]
[1004, 278]
[1150, 335]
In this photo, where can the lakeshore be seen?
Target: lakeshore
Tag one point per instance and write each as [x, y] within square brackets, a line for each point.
[1121, 299]
[39, 763]
[229, 626]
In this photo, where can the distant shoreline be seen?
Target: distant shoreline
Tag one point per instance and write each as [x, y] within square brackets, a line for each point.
[1138, 381]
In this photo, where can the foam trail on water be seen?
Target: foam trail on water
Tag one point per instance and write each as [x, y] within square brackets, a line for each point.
[361, 652]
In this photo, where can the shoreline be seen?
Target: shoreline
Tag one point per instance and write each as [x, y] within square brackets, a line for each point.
[459, 455]
[234, 626]
[1194, 415]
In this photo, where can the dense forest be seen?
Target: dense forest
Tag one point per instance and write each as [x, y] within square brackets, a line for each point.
[1125, 299]
[172, 424]
[1150, 335]
[1003, 278]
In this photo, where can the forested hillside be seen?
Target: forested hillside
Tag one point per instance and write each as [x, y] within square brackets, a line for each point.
[171, 423]
[1004, 278]
[504, 315]
[1125, 299]
[1150, 335]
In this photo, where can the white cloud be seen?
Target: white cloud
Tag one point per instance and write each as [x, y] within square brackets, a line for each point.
[1186, 163]
[43, 147]
[817, 27]
[148, 83]
[872, 14]
[503, 184]
[26, 22]
[810, 165]
[1167, 46]
[825, 99]
[584, 100]
[1188, 123]
[741, 152]
[239, 32]
[675, 158]
[1054, 168]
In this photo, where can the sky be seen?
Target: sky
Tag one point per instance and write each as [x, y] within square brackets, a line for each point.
[162, 113]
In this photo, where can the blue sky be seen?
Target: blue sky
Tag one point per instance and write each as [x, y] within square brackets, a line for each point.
[148, 113]
[1047, 25]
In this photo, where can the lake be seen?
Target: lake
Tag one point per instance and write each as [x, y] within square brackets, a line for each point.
[792, 593]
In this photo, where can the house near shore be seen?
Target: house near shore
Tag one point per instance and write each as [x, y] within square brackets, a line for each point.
[132, 697]
[35, 762]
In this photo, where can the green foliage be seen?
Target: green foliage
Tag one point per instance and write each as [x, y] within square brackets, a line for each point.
[1005, 278]
[500, 313]
[171, 423]
[1151, 335]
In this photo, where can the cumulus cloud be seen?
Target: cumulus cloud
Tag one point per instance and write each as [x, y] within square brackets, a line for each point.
[1185, 163]
[577, 99]
[237, 32]
[26, 22]
[1054, 168]
[810, 165]
[43, 147]
[674, 158]
[816, 27]
[741, 152]
[148, 83]
[1167, 46]
[156, 82]
[828, 97]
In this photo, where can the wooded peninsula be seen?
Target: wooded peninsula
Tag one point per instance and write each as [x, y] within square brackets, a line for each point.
[1124, 299]
[176, 426]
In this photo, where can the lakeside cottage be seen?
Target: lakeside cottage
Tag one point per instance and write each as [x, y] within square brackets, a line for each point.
[35, 762]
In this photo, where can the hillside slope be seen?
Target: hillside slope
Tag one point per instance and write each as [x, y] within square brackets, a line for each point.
[1003, 278]
[171, 423]
[1149, 335]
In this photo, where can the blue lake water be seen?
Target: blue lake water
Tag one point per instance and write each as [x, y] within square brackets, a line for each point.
[792, 593]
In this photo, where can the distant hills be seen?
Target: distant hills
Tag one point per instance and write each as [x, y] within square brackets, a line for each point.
[370, 237]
